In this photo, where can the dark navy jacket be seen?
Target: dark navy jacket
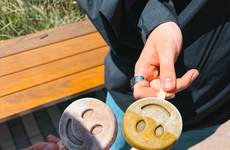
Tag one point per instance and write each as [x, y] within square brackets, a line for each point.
[206, 46]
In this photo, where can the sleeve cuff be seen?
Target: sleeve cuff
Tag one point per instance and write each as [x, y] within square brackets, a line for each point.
[156, 13]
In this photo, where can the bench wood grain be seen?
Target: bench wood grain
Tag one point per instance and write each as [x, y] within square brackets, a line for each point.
[38, 71]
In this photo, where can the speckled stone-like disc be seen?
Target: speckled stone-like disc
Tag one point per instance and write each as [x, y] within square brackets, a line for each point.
[152, 124]
[88, 124]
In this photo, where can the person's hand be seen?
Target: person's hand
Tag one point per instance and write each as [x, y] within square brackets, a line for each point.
[156, 63]
[50, 145]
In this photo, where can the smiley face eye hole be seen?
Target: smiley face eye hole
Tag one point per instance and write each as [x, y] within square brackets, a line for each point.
[96, 129]
[159, 131]
[87, 113]
[156, 106]
[140, 125]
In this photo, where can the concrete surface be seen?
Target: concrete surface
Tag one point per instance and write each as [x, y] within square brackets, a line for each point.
[220, 140]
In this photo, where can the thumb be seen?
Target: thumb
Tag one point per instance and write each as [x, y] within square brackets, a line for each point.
[51, 146]
[167, 75]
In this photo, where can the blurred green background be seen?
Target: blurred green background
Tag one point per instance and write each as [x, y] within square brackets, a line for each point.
[21, 17]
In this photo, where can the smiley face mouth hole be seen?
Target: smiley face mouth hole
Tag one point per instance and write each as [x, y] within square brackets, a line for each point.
[158, 107]
[70, 135]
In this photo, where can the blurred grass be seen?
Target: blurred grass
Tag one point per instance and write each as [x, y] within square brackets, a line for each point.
[21, 17]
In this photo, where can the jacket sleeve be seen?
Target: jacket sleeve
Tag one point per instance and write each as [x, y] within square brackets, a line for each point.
[120, 22]
[146, 14]
[152, 14]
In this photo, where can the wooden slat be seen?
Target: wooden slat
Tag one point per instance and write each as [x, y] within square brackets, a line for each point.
[46, 37]
[44, 95]
[45, 68]
[51, 71]
[50, 53]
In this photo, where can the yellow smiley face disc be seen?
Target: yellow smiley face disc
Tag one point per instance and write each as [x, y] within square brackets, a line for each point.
[152, 124]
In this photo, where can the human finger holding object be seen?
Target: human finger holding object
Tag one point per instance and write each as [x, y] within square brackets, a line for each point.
[53, 143]
[88, 124]
[151, 122]
[156, 63]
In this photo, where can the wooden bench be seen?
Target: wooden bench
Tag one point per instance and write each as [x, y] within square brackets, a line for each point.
[48, 67]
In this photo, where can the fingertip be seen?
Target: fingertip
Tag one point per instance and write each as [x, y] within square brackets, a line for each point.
[195, 74]
[186, 80]
[170, 95]
[52, 138]
[168, 84]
